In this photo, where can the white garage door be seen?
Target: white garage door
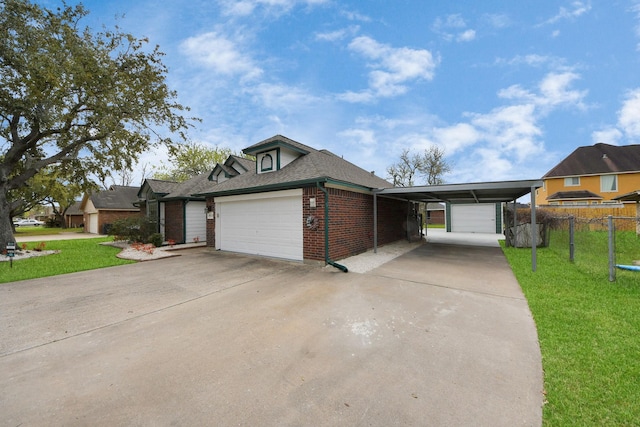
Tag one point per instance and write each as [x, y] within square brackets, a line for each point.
[474, 218]
[268, 224]
[93, 223]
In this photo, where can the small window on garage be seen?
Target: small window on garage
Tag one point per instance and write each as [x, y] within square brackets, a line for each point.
[266, 164]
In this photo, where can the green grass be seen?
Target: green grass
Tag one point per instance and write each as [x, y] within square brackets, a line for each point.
[588, 328]
[43, 231]
[75, 255]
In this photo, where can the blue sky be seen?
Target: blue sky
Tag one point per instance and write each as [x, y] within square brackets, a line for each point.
[507, 89]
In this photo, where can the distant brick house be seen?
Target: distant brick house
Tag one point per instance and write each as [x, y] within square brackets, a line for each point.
[101, 209]
[285, 206]
[74, 217]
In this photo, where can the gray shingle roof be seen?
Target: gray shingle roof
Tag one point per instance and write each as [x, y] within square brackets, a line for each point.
[578, 194]
[316, 165]
[248, 164]
[74, 209]
[117, 197]
[191, 186]
[598, 159]
[161, 187]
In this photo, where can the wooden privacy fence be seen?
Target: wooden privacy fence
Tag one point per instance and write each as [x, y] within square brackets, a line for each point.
[597, 217]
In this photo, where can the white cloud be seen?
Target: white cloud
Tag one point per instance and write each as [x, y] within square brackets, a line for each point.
[282, 98]
[608, 136]
[628, 124]
[220, 54]
[466, 36]
[577, 9]
[392, 68]
[513, 129]
[364, 137]
[336, 35]
[629, 115]
[355, 16]
[453, 27]
[497, 20]
[456, 137]
[247, 7]
[553, 91]
[535, 60]
[506, 142]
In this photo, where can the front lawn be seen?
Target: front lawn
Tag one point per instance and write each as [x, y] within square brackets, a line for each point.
[43, 231]
[75, 255]
[588, 329]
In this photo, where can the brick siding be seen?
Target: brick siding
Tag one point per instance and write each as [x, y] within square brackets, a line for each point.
[350, 223]
[109, 217]
[211, 223]
[174, 221]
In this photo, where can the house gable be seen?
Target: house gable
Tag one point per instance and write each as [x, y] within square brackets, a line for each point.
[231, 167]
[275, 153]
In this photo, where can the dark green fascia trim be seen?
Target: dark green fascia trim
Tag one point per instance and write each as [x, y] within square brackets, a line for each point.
[272, 187]
[192, 197]
[283, 186]
[348, 184]
[270, 146]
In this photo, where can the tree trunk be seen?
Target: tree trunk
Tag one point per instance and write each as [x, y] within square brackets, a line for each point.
[6, 227]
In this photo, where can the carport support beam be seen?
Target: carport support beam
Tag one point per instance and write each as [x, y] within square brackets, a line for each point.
[534, 231]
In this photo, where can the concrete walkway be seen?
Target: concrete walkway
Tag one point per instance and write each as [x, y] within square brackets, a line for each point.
[438, 336]
[440, 235]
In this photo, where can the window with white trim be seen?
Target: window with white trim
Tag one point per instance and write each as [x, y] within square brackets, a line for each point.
[609, 183]
[266, 164]
[572, 181]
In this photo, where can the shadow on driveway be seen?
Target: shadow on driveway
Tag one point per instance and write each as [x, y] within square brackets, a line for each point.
[217, 338]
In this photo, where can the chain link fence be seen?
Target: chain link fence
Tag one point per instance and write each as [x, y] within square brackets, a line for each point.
[606, 247]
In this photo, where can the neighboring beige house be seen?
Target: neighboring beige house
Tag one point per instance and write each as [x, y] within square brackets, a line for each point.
[101, 209]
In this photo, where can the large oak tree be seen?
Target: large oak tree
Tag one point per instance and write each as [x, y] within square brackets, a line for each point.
[69, 94]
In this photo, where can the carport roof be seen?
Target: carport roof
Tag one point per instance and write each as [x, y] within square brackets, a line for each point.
[478, 192]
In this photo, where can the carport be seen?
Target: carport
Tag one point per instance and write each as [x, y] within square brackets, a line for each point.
[479, 192]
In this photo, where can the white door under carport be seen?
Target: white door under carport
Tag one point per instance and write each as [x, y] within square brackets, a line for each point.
[196, 222]
[267, 224]
[473, 218]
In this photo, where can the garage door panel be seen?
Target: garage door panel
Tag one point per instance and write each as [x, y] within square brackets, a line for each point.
[268, 227]
[475, 218]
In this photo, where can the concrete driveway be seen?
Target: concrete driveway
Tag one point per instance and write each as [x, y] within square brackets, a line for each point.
[439, 336]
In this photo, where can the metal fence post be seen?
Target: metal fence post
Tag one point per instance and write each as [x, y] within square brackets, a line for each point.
[571, 237]
[612, 266]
